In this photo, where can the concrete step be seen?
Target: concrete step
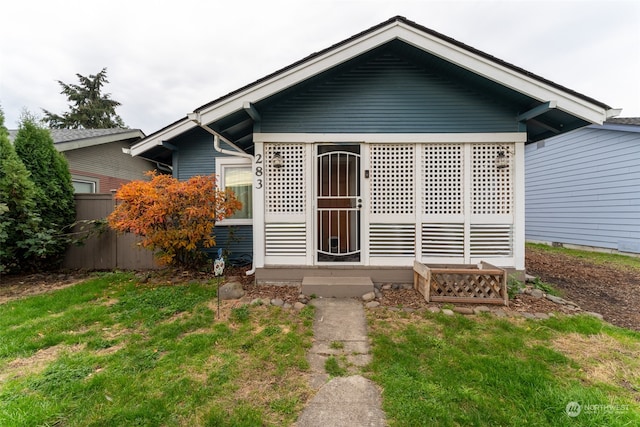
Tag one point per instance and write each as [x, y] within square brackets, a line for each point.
[336, 287]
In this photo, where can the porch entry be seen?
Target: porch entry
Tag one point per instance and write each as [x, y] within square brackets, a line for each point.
[338, 204]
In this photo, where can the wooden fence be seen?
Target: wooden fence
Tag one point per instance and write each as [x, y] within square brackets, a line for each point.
[109, 250]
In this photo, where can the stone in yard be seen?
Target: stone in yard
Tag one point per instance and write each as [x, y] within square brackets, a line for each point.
[500, 313]
[528, 316]
[408, 309]
[556, 299]
[594, 314]
[277, 302]
[231, 290]
[256, 301]
[286, 305]
[433, 309]
[481, 309]
[463, 310]
[378, 293]
[298, 306]
[372, 304]
[406, 286]
[386, 287]
[369, 296]
[537, 293]
[542, 316]
[529, 278]
[447, 312]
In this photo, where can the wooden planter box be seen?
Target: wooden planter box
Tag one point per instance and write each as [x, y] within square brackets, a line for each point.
[482, 283]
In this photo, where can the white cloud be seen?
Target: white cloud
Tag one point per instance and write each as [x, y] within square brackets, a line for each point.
[165, 59]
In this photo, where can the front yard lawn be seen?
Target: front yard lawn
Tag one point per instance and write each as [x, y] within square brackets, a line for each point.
[113, 352]
[438, 370]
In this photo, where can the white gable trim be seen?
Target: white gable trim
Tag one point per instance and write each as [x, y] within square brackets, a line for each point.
[424, 41]
[351, 49]
[168, 133]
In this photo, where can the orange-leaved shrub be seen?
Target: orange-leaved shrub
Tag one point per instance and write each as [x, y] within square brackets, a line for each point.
[174, 218]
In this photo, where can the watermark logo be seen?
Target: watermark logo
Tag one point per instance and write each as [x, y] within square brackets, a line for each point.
[573, 409]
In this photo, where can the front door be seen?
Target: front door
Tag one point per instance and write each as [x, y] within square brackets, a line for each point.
[338, 202]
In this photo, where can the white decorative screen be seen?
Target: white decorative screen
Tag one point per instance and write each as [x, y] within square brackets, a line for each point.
[491, 240]
[491, 188]
[286, 239]
[392, 179]
[442, 170]
[443, 240]
[392, 240]
[285, 187]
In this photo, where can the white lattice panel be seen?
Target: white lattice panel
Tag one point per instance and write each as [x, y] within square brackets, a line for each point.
[491, 240]
[443, 171]
[392, 179]
[392, 240]
[285, 239]
[491, 188]
[443, 240]
[285, 187]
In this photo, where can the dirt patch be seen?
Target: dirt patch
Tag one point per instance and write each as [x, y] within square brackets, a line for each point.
[608, 289]
[23, 366]
[601, 357]
[15, 287]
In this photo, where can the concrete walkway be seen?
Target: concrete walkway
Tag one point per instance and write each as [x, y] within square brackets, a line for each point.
[340, 330]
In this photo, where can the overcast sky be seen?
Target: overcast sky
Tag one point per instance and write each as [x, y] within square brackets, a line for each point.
[165, 59]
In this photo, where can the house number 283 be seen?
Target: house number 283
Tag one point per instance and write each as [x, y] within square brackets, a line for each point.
[258, 171]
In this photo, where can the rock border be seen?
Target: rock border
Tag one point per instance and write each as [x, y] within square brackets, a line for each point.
[371, 301]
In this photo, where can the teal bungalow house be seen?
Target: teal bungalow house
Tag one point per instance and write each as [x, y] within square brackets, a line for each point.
[396, 145]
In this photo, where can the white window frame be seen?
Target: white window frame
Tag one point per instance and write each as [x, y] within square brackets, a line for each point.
[221, 164]
[85, 180]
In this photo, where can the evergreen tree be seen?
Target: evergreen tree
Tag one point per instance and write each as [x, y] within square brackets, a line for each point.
[88, 108]
[20, 225]
[50, 173]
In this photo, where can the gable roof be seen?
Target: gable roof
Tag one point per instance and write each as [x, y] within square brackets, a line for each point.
[635, 121]
[621, 124]
[71, 139]
[548, 95]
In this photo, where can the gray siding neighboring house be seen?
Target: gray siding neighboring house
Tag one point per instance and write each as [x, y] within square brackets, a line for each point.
[583, 187]
[98, 158]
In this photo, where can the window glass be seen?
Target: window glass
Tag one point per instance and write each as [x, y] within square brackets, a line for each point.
[240, 180]
[83, 186]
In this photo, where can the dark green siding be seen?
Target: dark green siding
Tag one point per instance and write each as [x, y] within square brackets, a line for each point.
[236, 242]
[195, 155]
[389, 92]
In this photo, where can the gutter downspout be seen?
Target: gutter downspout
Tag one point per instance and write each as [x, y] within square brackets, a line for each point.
[195, 117]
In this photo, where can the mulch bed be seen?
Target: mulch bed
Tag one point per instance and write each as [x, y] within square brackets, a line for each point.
[609, 290]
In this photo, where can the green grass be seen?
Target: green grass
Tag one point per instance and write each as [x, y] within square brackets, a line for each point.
[113, 352]
[486, 371]
[333, 368]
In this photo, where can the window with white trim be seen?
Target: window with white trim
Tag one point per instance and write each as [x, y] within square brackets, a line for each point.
[84, 185]
[235, 173]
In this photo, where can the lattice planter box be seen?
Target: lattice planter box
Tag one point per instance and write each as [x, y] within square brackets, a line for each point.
[482, 283]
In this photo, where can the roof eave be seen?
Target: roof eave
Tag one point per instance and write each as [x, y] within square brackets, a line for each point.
[165, 134]
[98, 140]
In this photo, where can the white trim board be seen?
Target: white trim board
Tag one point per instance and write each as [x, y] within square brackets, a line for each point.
[310, 138]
